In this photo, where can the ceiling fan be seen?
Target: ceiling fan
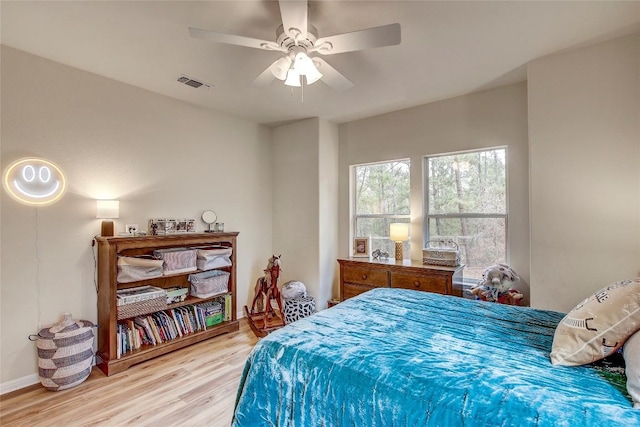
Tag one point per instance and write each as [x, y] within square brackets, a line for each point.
[297, 41]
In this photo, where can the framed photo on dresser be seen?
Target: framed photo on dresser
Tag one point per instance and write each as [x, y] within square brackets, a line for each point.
[361, 247]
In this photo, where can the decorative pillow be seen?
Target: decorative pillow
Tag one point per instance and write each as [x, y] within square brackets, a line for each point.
[631, 352]
[598, 326]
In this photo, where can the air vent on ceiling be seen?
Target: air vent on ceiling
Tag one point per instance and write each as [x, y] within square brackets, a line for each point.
[193, 82]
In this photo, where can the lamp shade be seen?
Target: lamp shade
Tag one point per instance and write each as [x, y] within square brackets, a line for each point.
[293, 78]
[305, 67]
[280, 68]
[107, 209]
[399, 231]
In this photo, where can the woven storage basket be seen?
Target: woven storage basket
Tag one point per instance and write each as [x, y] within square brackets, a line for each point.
[65, 353]
[141, 308]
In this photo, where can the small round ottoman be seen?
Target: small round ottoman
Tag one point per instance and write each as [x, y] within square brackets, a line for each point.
[298, 308]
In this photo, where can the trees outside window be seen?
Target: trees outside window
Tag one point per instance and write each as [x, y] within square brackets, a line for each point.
[381, 196]
[466, 201]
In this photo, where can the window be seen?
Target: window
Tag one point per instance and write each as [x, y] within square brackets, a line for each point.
[380, 197]
[466, 201]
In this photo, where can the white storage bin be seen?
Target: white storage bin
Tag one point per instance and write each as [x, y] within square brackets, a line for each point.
[177, 260]
[211, 258]
[209, 283]
[132, 269]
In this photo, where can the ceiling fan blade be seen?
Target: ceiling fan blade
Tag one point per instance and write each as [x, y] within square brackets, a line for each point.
[294, 16]
[233, 39]
[387, 35]
[264, 78]
[331, 77]
[278, 69]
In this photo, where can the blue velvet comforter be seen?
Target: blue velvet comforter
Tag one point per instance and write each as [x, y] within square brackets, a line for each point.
[394, 357]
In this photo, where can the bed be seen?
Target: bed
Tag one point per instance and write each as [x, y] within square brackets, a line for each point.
[394, 357]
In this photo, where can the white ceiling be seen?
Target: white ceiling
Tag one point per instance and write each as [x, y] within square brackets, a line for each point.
[448, 48]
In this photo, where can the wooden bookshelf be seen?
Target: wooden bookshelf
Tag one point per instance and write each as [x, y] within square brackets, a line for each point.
[109, 248]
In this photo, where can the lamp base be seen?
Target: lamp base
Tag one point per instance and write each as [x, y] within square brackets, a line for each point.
[399, 254]
[107, 229]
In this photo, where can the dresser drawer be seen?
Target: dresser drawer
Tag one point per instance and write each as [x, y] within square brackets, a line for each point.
[366, 276]
[350, 290]
[435, 284]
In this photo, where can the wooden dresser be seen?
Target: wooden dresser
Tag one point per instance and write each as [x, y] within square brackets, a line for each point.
[358, 275]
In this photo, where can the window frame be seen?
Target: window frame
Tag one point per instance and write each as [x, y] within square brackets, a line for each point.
[425, 195]
[355, 216]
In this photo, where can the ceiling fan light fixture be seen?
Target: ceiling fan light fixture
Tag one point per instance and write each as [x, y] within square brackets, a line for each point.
[280, 68]
[293, 78]
[313, 75]
[296, 38]
[305, 67]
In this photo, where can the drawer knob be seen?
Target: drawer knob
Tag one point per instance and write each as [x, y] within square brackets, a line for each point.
[416, 284]
[364, 277]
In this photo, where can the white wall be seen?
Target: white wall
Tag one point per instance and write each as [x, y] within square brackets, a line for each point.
[305, 204]
[329, 202]
[296, 201]
[158, 156]
[584, 134]
[496, 117]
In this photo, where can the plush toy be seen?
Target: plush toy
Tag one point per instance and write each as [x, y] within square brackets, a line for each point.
[293, 289]
[496, 286]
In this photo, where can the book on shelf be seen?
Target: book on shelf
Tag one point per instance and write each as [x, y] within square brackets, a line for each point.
[175, 319]
[167, 325]
[227, 307]
[154, 330]
[196, 317]
[143, 323]
[139, 294]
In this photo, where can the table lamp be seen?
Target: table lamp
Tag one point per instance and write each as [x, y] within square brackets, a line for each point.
[107, 209]
[399, 232]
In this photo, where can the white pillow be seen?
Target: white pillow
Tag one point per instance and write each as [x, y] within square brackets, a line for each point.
[598, 326]
[631, 352]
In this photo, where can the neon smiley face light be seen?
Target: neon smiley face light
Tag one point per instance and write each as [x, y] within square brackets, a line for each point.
[34, 181]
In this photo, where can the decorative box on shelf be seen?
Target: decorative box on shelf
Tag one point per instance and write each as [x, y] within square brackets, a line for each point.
[441, 252]
[176, 294]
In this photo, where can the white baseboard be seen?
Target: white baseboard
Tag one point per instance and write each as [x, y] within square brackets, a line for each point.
[19, 383]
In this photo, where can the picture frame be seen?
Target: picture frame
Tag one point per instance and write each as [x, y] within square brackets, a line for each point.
[156, 226]
[361, 247]
[170, 226]
[181, 225]
[131, 229]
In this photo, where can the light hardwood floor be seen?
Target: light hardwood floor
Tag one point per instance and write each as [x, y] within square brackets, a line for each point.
[194, 386]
